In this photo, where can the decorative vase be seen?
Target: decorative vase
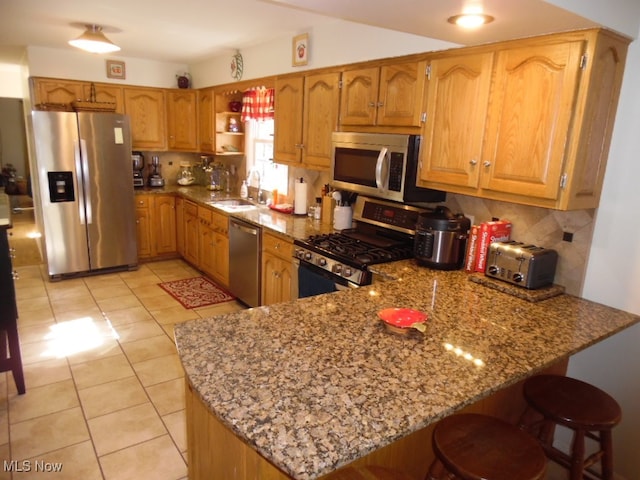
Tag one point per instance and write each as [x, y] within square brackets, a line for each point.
[184, 80]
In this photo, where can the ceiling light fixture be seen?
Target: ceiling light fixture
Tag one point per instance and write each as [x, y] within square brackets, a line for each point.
[94, 41]
[470, 20]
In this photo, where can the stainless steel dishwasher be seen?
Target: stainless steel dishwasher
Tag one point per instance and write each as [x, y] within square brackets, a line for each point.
[244, 261]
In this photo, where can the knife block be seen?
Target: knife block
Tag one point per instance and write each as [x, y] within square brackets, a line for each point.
[328, 204]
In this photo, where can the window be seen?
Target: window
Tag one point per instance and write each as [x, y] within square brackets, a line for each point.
[259, 148]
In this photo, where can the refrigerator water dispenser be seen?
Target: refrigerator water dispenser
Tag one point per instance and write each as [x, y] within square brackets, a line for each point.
[61, 187]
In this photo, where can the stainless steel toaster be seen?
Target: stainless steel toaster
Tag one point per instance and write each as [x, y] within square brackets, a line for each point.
[522, 264]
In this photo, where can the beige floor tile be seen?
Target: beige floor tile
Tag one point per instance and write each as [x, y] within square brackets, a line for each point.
[167, 397]
[95, 351]
[175, 314]
[169, 329]
[220, 309]
[160, 302]
[35, 333]
[130, 332]
[141, 271]
[148, 348]
[158, 459]
[66, 305]
[5, 474]
[80, 312]
[29, 271]
[40, 401]
[125, 428]
[158, 370]
[4, 427]
[106, 293]
[44, 373]
[48, 433]
[36, 316]
[67, 290]
[24, 295]
[128, 315]
[104, 370]
[119, 303]
[102, 281]
[77, 462]
[176, 423]
[34, 303]
[112, 396]
[142, 283]
[36, 352]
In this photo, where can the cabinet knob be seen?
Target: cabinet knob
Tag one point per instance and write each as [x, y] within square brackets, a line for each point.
[380, 104]
[473, 162]
[487, 164]
[15, 275]
[372, 104]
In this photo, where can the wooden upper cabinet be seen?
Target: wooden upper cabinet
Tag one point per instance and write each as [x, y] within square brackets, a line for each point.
[146, 109]
[55, 91]
[105, 93]
[528, 123]
[206, 120]
[289, 98]
[321, 108]
[389, 95]
[182, 120]
[456, 105]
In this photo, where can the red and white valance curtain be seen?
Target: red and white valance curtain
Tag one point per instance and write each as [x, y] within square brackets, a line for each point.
[257, 104]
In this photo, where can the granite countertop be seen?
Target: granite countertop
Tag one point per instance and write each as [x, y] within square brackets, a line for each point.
[316, 383]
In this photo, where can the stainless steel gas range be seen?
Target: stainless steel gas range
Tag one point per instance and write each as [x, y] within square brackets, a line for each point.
[383, 232]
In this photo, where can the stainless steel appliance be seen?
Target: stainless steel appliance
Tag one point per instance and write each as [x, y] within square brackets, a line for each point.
[137, 160]
[244, 261]
[522, 264]
[441, 239]
[383, 233]
[84, 194]
[155, 179]
[381, 165]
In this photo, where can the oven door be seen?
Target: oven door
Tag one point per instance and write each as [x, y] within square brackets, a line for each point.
[313, 280]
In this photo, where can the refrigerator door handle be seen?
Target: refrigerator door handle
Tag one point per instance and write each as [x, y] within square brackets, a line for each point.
[77, 156]
[85, 180]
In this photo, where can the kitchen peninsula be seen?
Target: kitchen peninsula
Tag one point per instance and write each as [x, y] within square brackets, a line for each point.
[300, 389]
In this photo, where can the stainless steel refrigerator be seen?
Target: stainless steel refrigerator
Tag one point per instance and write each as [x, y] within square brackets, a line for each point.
[84, 191]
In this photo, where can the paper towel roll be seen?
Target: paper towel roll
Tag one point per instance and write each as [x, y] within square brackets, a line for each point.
[300, 199]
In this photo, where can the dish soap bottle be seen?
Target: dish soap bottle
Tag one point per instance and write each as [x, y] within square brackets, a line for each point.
[244, 191]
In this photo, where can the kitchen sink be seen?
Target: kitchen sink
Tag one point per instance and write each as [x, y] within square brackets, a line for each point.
[233, 205]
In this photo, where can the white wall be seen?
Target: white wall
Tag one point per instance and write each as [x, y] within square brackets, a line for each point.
[10, 81]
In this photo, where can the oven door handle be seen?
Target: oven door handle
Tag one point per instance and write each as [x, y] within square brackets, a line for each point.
[382, 168]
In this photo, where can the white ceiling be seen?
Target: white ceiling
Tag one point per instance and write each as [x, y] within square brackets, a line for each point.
[187, 31]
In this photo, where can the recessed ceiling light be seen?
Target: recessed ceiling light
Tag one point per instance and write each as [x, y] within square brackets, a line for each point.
[470, 20]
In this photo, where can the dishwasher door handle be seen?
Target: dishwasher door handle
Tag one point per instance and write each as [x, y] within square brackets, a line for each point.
[249, 230]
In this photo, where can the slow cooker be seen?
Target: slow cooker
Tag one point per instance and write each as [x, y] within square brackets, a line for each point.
[441, 239]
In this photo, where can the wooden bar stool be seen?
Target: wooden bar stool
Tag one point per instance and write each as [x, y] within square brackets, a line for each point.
[585, 409]
[479, 447]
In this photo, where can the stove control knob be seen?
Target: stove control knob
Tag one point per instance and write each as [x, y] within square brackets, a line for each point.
[518, 277]
[299, 253]
[337, 268]
[493, 269]
[347, 272]
[322, 261]
[308, 255]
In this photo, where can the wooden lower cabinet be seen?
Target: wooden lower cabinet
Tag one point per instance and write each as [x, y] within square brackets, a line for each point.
[190, 228]
[277, 269]
[206, 241]
[156, 226]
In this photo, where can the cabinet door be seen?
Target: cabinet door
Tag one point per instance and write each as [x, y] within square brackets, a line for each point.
[180, 225]
[206, 120]
[221, 262]
[276, 279]
[105, 93]
[143, 232]
[359, 97]
[207, 262]
[191, 235]
[321, 108]
[456, 106]
[182, 120]
[400, 97]
[146, 110]
[164, 224]
[531, 106]
[56, 91]
[287, 143]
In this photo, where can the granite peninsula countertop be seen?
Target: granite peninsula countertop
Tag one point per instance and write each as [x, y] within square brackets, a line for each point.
[316, 383]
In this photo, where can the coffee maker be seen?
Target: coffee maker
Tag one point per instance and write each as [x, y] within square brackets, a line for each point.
[138, 166]
[155, 179]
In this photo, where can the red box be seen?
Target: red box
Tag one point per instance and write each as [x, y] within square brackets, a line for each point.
[472, 249]
[495, 231]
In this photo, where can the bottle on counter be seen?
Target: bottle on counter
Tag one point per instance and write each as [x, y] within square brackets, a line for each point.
[317, 213]
[244, 190]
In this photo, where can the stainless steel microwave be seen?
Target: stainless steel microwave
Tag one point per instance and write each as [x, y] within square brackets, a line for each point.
[381, 165]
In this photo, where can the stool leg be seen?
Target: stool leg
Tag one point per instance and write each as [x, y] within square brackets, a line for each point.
[577, 455]
[606, 445]
[437, 471]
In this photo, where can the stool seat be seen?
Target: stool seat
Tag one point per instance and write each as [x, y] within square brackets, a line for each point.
[572, 402]
[369, 472]
[479, 447]
[585, 409]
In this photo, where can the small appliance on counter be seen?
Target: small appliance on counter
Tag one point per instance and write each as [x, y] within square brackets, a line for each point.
[155, 179]
[185, 176]
[138, 166]
[522, 264]
[441, 239]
